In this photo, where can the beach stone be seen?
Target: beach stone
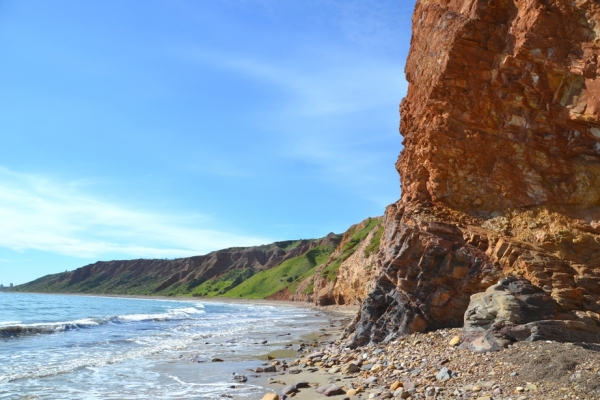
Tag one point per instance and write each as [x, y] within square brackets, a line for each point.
[216, 360]
[395, 385]
[408, 385]
[294, 371]
[330, 390]
[271, 368]
[530, 387]
[369, 380]
[443, 375]
[289, 389]
[302, 385]
[270, 396]
[351, 392]
[376, 368]
[240, 378]
[259, 369]
[350, 368]
[455, 341]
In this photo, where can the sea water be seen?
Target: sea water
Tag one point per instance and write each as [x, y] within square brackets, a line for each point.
[91, 347]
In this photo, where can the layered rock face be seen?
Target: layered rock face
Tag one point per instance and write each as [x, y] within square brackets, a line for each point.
[501, 164]
[358, 269]
[348, 275]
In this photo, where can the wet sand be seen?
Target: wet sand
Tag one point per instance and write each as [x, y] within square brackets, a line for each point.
[277, 349]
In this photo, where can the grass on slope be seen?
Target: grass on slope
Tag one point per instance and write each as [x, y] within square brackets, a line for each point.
[124, 283]
[287, 274]
[330, 271]
[221, 284]
[373, 246]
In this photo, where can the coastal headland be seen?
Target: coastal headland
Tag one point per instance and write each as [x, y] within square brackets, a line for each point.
[483, 280]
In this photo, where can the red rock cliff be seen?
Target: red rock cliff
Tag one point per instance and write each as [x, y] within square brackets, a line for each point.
[501, 164]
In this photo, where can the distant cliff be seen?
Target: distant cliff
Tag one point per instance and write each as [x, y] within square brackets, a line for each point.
[284, 270]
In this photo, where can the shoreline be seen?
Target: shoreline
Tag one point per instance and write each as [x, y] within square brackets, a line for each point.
[330, 322]
[226, 300]
[419, 366]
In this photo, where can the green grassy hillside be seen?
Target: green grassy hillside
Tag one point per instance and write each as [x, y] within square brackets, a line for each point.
[252, 272]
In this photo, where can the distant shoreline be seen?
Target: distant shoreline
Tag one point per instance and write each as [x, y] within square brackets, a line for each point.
[337, 309]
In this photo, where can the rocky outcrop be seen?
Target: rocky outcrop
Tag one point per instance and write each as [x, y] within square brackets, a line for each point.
[349, 274]
[515, 310]
[501, 164]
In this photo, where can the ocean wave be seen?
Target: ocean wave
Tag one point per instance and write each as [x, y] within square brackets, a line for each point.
[15, 328]
[50, 327]
[178, 313]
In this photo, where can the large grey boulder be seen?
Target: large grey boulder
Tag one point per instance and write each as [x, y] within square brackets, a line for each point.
[515, 310]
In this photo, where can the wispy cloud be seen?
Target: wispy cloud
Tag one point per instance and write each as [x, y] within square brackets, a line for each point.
[60, 217]
[315, 121]
[330, 87]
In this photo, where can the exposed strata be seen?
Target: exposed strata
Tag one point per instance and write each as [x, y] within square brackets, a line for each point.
[349, 273]
[356, 275]
[501, 164]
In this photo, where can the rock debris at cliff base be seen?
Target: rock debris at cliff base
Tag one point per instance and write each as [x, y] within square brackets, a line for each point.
[430, 366]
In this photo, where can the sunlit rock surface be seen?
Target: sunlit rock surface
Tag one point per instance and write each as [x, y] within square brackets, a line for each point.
[501, 164]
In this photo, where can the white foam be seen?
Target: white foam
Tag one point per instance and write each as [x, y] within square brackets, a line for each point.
[178, 313]
[9, 323]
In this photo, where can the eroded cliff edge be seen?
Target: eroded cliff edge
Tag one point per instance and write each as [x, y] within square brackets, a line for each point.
[501, 165]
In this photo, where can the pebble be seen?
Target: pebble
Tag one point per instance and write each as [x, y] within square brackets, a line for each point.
[424, 367]
[443, 375]
[455, 341]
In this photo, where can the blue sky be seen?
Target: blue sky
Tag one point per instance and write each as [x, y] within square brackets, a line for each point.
[163, 129]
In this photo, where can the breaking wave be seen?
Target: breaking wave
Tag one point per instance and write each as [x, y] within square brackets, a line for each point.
[15, 328]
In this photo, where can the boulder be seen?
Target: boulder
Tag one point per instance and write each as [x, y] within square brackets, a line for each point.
[514, 310]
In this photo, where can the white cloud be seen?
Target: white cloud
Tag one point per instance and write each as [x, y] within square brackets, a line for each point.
[43, 214]
[338, 84]
[315, 120]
